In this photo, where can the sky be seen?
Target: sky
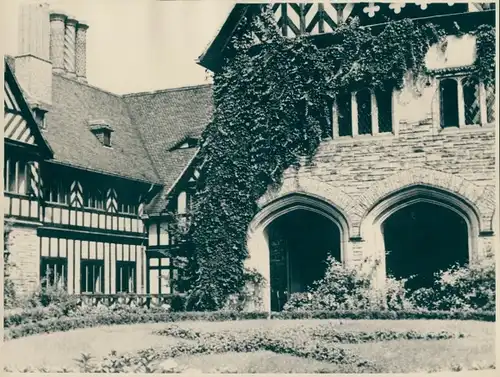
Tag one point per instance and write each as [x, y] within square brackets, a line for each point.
[136, 45]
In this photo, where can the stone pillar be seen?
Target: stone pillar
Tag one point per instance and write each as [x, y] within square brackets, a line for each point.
[81, 52]
[69, 46]
[57, 21]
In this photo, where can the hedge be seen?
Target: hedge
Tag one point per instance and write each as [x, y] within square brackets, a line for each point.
[18, 325]
[120, 318]
[488, 316]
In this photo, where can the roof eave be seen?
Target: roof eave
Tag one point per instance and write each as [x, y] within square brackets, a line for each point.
[209, 58]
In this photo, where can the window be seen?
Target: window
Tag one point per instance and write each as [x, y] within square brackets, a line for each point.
[162, 276]
[182, 203]
[364, 102]
[95, 198]
[365, 112]
[344, 115]
[465, 101]
[53, 272]
[125, 277]
[58, 191]
[92, 276]
[16, 177]
[384, 108]
[490, 103]
[39, 116]
[106, 138]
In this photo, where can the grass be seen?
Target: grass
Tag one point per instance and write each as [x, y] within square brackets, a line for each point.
[475, 350]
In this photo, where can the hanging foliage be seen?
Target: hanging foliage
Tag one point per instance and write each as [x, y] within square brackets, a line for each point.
[272, 106]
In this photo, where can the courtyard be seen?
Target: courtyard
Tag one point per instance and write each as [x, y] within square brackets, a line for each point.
[269, 346]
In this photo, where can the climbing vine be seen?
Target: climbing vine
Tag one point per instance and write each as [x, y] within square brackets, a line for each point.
[272, 104]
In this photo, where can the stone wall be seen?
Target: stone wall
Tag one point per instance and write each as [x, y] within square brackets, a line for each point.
[24, 257]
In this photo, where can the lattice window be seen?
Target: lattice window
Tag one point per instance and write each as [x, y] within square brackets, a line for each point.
[53, 272]
[448, 91]
[364, 102]
[465, 101]
[384, 110]
[125, 277]
[472, 108]
[490, 103]
[92, 276]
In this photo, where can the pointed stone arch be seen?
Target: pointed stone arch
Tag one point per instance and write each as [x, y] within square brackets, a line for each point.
[478, 199]
[313, 188]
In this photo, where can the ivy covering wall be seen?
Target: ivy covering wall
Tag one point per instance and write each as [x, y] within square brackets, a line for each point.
[272, 106]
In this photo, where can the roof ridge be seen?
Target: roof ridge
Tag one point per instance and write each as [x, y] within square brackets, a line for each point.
[168, 90]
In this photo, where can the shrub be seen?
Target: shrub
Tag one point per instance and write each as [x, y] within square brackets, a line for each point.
[469, 287]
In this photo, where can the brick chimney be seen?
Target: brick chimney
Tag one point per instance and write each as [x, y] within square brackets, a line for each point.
[81, 51]
[33, 66]
[57, 26]
[69, 46]
[50, 42]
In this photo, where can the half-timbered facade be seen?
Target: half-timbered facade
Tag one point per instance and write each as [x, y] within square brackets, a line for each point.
[93, 180]
[86, 188]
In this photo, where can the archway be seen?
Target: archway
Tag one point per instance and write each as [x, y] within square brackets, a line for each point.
[299, 244]
[302, 208]
[422, 239]
[420, 230]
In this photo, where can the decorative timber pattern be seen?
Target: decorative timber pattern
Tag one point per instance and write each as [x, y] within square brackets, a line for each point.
[16, 126]
[35, 179]
[111, 201]
[317, 18]
[76, 195]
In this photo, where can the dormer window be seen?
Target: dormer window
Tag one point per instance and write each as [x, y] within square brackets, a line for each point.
[39, 115]
[102, 131]
[186, 143]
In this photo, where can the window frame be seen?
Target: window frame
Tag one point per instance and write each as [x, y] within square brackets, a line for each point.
[461, 77]
[55, 261]
[169, 266]
[354, 115]
[132, 277]
[93, 262]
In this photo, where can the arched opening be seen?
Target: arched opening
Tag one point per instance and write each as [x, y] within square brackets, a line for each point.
[421, 239]
[299, 243]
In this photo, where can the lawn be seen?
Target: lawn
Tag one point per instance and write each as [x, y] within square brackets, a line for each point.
[470, 346]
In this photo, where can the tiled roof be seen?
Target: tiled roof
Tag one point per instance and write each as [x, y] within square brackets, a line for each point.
[164, 118]
[74, 104]
[146, 128]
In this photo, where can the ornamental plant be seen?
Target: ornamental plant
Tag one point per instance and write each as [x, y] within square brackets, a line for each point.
[271, 108]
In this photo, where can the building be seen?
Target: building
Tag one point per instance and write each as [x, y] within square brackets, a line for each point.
[91, 178]
[84, 171]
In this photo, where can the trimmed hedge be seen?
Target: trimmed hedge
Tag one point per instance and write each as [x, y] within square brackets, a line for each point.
[40, 320]
[488, 316]
[120, 318]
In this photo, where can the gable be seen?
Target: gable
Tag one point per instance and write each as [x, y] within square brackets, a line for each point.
[315, 19]
[19, 124]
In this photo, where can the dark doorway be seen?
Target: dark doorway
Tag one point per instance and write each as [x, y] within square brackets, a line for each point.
[422, 239]
[299, 243]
